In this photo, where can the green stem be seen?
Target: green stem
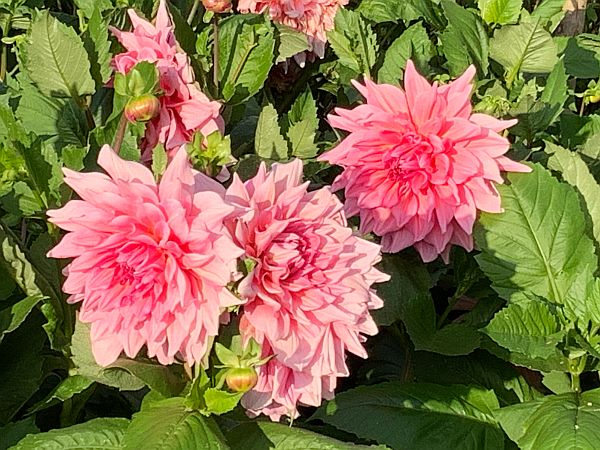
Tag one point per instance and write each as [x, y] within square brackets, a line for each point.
[120, 134]
[193, 12]
[3, 62]
[575, 386]
[451, 304]
[215, 23]
[582, 108]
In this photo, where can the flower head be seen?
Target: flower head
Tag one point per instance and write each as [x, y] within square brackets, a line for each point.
[308, 295]
[151, 262]
[418, 165]
[314, 18]
[184, 108]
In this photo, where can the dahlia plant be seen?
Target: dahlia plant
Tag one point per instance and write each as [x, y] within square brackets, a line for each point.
[297, 224]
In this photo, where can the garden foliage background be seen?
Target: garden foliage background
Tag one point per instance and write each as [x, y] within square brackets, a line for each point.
[497, 349]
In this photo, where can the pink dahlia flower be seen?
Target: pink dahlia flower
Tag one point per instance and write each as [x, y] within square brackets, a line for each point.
[151, 262]
[184, 108]
[308, 295]
[314, 18]
[418, 165]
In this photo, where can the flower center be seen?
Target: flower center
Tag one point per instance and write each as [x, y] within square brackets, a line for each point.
[418, 161]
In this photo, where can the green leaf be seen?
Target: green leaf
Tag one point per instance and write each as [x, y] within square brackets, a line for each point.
[529, 328]
[413, 44]
[539, 244]
[276, 436]
[500, 12]
[89, 6]
[526, 48]
[303, 126]
[268, 142]
[11, 318]
[85, 364]
[290, 42]
[566, 421]
[96, 434]
[167, 424]
[477, 369]
[353, 41]
[97, 44]
[385, 11]
[582, 57]
[220, 402]
[432, 417]
[56, 119]
[166, 380]
[465, 40]
[67, 388]
[410, 281]
[22, 361]
[246, 49]
[575, 172]
[13, 432]
[56, 59]
[159, 161]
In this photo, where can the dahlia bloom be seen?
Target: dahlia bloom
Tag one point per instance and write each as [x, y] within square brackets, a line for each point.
[184, 108]
[308, 295]
[418, 165]
[314, 18]
[151, 262]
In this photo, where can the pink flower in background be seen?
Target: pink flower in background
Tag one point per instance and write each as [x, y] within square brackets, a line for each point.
[308, 296]
[151, 262]
[184, 108]
[418, 165]
[311, 17]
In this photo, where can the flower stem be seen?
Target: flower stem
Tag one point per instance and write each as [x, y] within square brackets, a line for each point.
[215, 23]
[122, 128]
[3, 62]
[193, 12]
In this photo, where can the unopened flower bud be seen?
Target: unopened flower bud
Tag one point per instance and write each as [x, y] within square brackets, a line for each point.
[241, 379]
[217, 6]
[142, 109]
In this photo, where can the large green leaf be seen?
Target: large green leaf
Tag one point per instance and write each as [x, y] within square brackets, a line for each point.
[12, 317]
[417, 416]
[167, 424]
[385, 11]
[539, 244]
[56, 59]
[529, 328]
[97, 44]
[268, 142]
[289, 42]
[96, 434]
[575, 172]
[567, 421]
[276, 436]
[353, 41]
[500, 12]
[526, 47]
[465, 41]
[303, 122]
[246, 49]
[413, 44]
[21, 366]
[13, 432]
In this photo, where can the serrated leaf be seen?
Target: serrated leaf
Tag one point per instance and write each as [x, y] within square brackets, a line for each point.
[96, 434]
[97, 44]
[246, 52]
[500, 12]
[11, 318]
[268, 142]
[167, 424]
[566, 421]
[529, 328]
[413, 44]
[539, 244]
[353, 41]
[290, 42]
[89, 6]
[526, 48]
[385, 11]
[465, 40]
[276, 436]
[56, 59]
[302, 129]
[575, 172]
[433, 417]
